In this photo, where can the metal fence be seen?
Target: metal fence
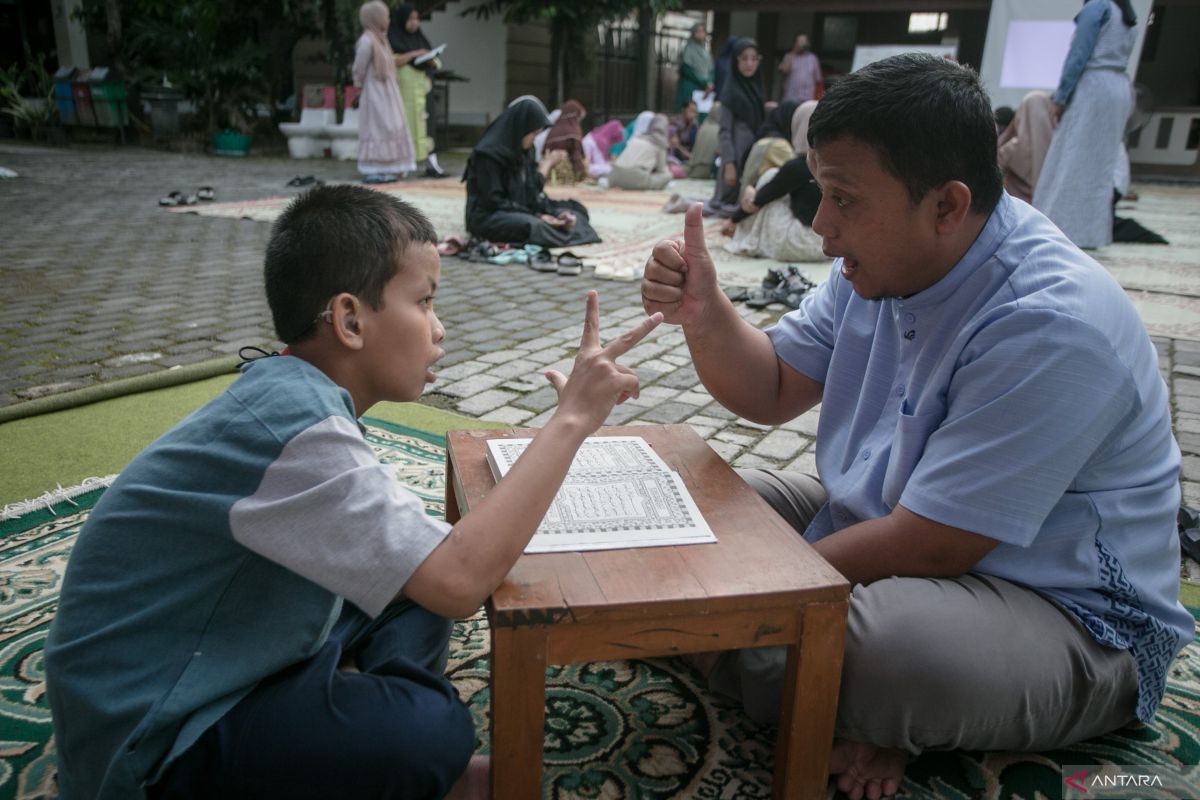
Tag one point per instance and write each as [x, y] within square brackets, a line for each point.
[621, 73]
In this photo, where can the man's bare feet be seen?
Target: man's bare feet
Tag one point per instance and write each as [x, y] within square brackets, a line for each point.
[864, 770]
[475, 782]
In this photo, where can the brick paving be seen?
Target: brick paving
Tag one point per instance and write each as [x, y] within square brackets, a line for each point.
[98, 283]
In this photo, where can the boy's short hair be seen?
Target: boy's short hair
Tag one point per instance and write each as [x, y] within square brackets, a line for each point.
[928, 118]
[334, 239]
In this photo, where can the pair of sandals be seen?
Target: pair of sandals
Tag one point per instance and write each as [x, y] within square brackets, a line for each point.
[205, 193]
[566, 263]
[304, 180]
[787, 286]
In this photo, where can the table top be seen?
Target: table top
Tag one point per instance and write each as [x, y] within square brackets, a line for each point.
[758, 561]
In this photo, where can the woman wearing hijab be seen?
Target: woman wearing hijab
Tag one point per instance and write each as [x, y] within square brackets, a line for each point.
[696, 69]
[1091, 105]
[385, 150]
[636, 127]
[597, 145]
[409, 43]
[775, 218]
[1023, 144]
[567, 135]
[643, 163]
[505, 201]
[773, 148]
[742, 114]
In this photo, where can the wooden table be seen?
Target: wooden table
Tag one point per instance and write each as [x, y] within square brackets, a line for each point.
[760, 584]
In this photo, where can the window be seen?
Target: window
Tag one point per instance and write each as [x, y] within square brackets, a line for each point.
[927, 22]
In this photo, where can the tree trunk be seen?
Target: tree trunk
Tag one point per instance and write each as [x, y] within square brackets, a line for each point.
[112, 16]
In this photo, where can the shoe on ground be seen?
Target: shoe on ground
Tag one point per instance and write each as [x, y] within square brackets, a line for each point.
[571, 268]
[434, 172]
[206, 193]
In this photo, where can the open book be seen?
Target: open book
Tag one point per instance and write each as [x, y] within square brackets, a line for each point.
[618, 493]
[434, 53]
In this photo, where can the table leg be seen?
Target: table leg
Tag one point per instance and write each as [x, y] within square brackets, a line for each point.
[452, 515]
[809, 708]
[518, 685]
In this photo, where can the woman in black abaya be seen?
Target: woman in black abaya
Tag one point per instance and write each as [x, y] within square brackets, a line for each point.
[505, 201]
[743, 110]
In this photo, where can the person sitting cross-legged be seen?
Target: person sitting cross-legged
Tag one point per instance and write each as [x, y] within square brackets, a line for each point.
[996, 472]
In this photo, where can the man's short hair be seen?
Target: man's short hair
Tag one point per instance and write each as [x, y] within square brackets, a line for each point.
[334, 239]
[928, 118]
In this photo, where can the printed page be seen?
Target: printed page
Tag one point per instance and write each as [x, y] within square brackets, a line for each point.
[618, 493]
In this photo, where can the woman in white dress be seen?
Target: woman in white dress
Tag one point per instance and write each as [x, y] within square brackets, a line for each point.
[385, 149]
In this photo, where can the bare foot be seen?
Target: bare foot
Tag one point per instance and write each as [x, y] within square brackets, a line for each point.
[474, 783]
[864, 770]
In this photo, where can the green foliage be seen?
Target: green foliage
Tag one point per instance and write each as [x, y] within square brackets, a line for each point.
[228, 56]
[27, 92]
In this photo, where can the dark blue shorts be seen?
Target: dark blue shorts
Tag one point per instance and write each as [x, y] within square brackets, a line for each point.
[395, 729]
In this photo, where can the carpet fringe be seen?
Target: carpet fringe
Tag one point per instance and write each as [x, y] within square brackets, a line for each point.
[53, 497]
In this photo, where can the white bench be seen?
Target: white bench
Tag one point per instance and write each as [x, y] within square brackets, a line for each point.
[344, 137]
[308, 138]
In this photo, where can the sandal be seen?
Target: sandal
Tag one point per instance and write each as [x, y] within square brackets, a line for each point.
[206, 193]
[306, 180]
[542, 261]
[173, 199]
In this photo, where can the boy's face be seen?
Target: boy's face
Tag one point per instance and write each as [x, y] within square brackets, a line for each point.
[887, 245]
[401, 338]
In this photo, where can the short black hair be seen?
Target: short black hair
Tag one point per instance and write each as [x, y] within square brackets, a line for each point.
[1004, 115]
[929, 118]
[334, 239]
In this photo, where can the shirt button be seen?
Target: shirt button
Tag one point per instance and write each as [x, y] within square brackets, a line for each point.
[866, 454]
[900, 390]
[910, 317]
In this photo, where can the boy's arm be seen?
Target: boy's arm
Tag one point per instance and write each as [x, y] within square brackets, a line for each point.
[470, 563]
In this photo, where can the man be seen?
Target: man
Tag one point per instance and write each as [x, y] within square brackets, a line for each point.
[998, 478]
[802, 72]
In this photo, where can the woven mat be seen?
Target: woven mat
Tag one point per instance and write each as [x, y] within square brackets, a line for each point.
[622, 729]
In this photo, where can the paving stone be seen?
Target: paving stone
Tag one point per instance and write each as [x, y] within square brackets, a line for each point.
[538, 400]
[667, 413]
[501, 356]
[485, 402]
[472, 385]
[733, 437]
[806, 423]
[780, 445]
[806, 463]
[725, 450]
[754, 461]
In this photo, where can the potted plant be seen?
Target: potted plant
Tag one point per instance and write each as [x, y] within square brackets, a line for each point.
[27, 97]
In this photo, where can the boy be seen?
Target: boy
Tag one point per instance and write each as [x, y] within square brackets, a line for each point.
[255, 608]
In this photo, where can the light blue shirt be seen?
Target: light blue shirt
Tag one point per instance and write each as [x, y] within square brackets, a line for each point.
[1018, 398]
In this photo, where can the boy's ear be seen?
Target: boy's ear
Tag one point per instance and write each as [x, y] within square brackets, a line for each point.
[346, 323]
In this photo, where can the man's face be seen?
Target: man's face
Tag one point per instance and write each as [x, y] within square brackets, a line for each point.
[886, 244]
[402, 345]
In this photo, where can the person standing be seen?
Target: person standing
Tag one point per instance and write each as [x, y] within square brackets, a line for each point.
[1091, 105]
[410, 43]
[696, 69]
[743, 110]
[802, 72]
[385, 149]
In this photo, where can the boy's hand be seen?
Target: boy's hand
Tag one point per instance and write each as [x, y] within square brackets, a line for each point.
[680, 279]
[597, 382]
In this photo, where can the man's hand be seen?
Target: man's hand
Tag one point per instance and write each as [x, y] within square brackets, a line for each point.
[680, 280]
[597, 382]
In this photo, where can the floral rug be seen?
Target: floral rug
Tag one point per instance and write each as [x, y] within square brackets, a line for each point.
[622, 729]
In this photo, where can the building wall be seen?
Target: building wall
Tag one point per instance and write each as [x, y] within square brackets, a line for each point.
[475, 49]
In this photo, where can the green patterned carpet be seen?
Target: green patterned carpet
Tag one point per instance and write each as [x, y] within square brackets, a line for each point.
[625, 729]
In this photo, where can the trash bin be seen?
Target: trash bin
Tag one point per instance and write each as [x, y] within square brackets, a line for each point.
[108, 99]
[81, 92]
[164, 110]
[63, 97]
